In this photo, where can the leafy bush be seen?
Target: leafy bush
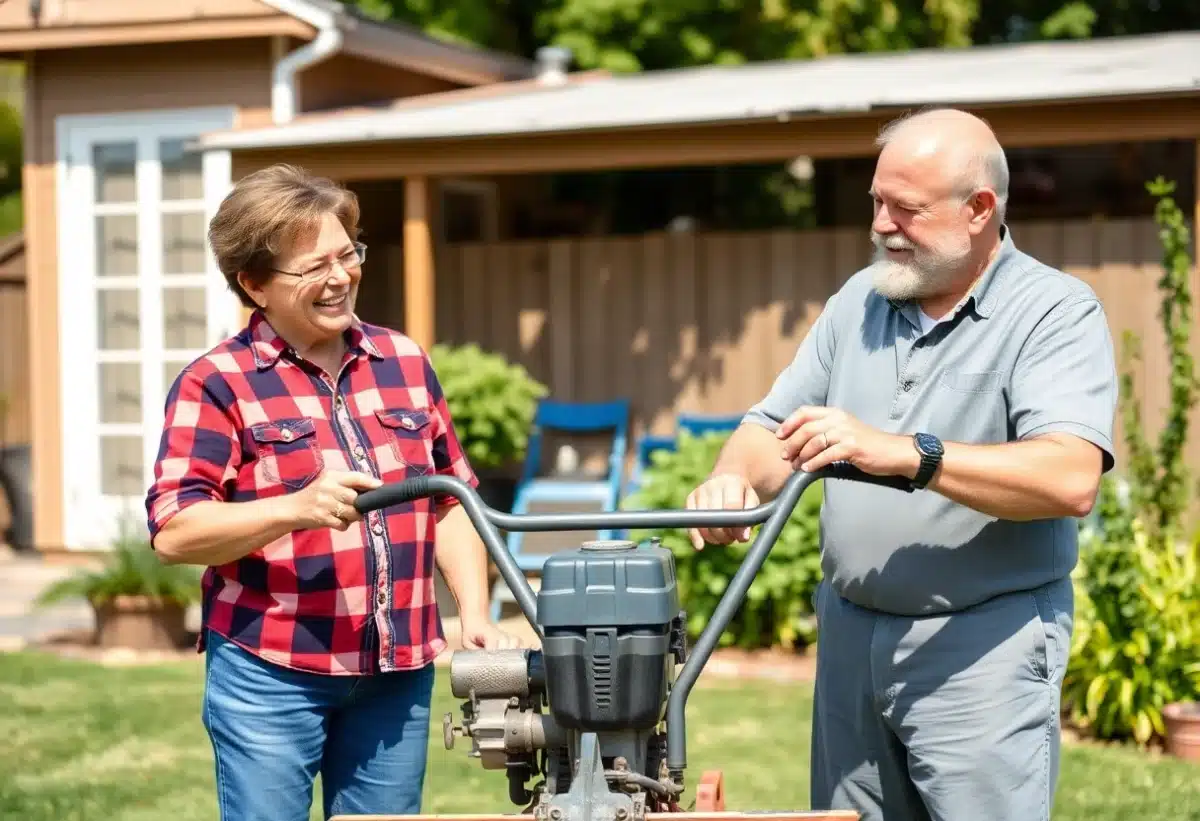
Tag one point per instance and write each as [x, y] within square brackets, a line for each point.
[1136, 646]
[778, 607]
[492, 402]
[11, 149]
[131, 568]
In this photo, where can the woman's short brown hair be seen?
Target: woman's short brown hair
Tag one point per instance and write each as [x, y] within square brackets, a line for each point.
[264, 214]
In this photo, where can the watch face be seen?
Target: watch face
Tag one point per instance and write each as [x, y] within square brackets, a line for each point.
[929, 444]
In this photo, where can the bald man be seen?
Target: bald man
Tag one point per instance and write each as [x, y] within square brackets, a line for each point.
[988, 378]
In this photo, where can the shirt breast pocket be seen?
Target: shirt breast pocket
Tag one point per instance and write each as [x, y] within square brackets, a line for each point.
[408, 435]
[969, 406]
[287, 452]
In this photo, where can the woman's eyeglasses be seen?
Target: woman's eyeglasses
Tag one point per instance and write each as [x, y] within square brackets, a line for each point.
[351, 259]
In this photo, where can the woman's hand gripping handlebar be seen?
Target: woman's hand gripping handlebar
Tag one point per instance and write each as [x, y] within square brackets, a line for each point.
[772, 515]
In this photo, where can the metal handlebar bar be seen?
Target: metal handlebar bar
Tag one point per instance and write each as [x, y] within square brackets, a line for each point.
[488, 521]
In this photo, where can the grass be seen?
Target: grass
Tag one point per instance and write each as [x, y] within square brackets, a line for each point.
[83, 743]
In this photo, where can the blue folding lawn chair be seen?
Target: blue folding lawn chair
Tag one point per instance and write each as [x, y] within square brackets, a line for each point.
[569, 418]
[698, 424]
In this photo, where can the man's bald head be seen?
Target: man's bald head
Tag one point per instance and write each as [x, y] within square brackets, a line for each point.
[940, 189]
[962, 145]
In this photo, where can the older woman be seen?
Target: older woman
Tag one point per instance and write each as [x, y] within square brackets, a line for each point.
[319, 626]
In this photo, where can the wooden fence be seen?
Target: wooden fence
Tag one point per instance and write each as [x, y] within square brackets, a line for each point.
[704, 322]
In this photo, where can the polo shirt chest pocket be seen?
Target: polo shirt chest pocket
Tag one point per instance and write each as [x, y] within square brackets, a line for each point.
[409, 436]
[287, 452]
[969, 406]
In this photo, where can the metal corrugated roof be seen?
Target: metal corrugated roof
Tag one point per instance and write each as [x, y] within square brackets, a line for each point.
[1071, 70]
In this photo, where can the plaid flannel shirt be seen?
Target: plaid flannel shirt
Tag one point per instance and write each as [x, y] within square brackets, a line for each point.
[251, 420]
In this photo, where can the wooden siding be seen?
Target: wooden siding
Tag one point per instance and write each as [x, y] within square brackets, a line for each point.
[682, 322]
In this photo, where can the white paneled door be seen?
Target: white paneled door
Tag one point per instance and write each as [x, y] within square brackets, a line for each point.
[139, 297]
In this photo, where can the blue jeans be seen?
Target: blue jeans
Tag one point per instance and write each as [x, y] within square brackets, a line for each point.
[273, 729]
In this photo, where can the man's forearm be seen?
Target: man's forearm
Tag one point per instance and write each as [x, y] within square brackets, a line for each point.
[462, 559]
[753, 452]
[1043, 478]
[216, 533]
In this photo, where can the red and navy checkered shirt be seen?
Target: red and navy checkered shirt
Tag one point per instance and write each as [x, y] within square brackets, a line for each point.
[251, 420]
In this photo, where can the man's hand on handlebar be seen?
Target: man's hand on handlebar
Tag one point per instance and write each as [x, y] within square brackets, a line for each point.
[725, 491]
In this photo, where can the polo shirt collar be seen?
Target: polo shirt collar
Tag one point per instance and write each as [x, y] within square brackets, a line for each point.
[267, 345]
[986, 292]
[984, 296]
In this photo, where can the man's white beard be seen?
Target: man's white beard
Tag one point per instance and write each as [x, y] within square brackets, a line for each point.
[928, 273]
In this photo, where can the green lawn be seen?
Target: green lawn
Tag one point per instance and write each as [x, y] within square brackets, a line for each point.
[86, 743]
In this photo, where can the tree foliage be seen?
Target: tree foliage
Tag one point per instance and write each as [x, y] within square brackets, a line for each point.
[633, 35]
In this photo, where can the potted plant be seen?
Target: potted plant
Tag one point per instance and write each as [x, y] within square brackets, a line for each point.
[139, 603]
[1182, 721]
[492, 403]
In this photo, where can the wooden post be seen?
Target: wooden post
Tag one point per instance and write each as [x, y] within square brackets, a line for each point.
[418, 263]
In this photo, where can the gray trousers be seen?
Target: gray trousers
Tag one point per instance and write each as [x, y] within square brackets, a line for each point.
[942, 718]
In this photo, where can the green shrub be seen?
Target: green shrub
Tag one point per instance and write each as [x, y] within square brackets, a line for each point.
[1136, 646]
[131, 568]
[11, 149]
[492, 402]
[778, 607]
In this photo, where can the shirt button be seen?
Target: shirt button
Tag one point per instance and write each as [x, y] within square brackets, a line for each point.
[382, 597]
[378, 528]
[286, 435]
[359, 452]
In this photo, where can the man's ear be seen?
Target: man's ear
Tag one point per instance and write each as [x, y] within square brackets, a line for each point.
[983, 206]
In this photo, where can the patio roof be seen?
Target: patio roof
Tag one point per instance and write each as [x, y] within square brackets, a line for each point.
[1019, 74]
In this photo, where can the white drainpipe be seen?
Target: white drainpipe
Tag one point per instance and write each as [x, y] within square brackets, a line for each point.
[283, 77]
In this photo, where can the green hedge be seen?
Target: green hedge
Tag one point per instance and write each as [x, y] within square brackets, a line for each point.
[778, 608]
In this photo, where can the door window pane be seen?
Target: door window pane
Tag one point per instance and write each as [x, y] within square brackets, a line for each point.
[121, 466]
[116, 245]
[181, 172]
[120, 392]
[183, 237]
[184, 318]
[117, 319]
[115, 168]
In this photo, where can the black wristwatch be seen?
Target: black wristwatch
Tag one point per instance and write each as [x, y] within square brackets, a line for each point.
[931, 450]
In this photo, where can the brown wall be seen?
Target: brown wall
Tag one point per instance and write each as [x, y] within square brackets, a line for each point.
[705, 322]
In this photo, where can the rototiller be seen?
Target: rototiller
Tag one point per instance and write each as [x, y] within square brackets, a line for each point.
[596, 716]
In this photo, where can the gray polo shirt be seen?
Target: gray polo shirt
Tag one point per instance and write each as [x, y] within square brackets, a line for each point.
[1028, 352]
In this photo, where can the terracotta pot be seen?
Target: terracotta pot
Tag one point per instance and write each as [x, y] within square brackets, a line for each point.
[1182, 723]
[141, 623]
